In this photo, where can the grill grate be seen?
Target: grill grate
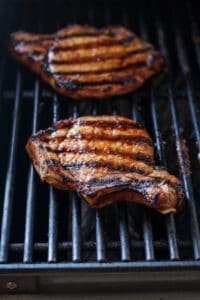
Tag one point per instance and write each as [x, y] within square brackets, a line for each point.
[41, 225]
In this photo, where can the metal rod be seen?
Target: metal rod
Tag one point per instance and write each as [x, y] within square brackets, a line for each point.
[186, 73]
[30, 200]
[148, 237]
[100, 244]
[184, 265]
[172, 237]
[76, 228]
[147, 227]
[170, 224]
[62, 246]
[123, 222]
[52, 230]
[10, 177]
[123, 218]
[123, 232]
[186, 181]
[184, 173]
[76, 216]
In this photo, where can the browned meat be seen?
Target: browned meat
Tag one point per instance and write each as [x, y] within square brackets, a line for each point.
[84, 62]
[105, 159]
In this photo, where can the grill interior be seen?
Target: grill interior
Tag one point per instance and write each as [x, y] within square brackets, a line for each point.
[40, 225]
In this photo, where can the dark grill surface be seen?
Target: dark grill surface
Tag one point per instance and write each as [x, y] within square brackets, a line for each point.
[40, 225]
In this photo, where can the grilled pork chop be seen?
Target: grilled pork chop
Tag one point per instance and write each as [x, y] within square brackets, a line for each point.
[105, 159]
[85, 62]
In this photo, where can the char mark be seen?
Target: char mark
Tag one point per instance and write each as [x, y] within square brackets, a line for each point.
[126, 139]
[75, 85]
[108, 165]
[153, 182]
[116, 181]
[100, 58]
[94, 165]
[148, 160]
[66, 178]
[110, 124]
[135, 185]
[120, 185]
[52, 162]
[56, 37]
[33, 53]
[119, 137]
[90, 45]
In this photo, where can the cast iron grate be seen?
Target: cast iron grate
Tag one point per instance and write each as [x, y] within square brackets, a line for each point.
[41, 225]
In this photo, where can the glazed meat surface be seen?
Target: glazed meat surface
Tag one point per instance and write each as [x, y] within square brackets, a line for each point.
[85, 62]
[104, 159]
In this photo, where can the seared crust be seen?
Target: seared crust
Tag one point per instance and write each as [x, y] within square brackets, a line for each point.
[84, 62]
[104, 159]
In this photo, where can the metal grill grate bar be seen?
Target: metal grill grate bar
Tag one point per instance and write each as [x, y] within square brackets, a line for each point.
[123, 232]
[91, 245]
[100, 243]
[186, 181]
[76, 216]
[30, 202]
[76, 228]
[147, 226]
[10, 177]
[184, 174]
[186, 73]
[52, 231]
[148, 237]
[123, 216]
[172, 237]
[170, 224]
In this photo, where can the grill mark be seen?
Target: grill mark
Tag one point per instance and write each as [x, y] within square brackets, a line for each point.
[126, 139]
[119, 182]
[66, 178]
[132, 184]
[74, 84]
[134, 156]
[90, 45]
[140, 64]
[110, 124]
[32, 53]
[96, 165]
[100, 58]
[52, 162]
[56, 37]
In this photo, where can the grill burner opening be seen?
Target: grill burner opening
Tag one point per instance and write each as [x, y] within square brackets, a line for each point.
[45, 228]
